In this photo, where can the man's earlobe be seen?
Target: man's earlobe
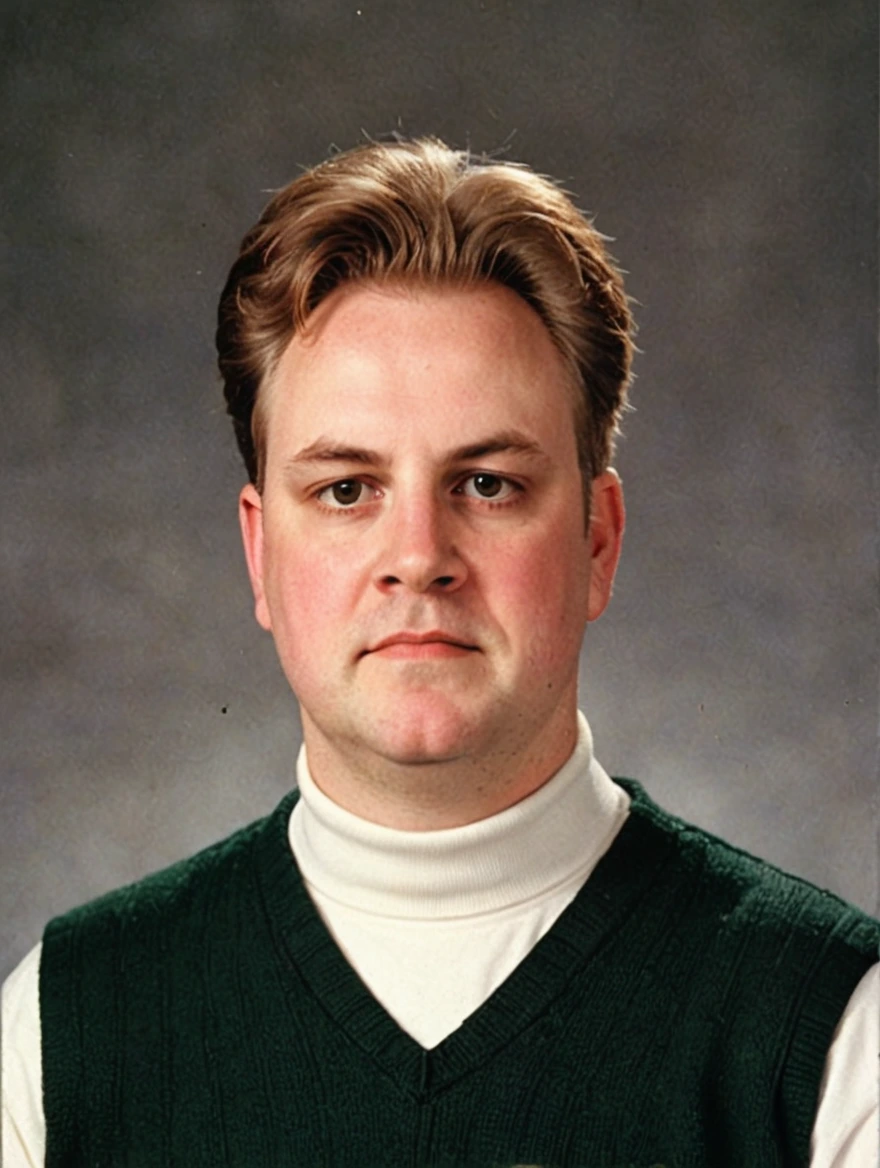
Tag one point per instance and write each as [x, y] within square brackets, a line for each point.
[607, 522]
[250, 516]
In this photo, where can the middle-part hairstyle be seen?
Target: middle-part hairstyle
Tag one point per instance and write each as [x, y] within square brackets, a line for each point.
[418, 212]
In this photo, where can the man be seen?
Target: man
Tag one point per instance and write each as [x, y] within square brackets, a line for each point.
[461, 942]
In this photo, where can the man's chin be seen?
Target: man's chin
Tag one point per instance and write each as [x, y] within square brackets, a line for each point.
[425, 731]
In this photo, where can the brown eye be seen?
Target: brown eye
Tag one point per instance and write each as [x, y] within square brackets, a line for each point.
[347, 491]
[340, 496]
[488, 485]
[483, 485]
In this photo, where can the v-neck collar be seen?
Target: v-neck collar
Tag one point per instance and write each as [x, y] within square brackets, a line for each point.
[621, 878]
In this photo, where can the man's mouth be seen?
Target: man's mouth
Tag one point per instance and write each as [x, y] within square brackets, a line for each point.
[424, 649]
[434, 643]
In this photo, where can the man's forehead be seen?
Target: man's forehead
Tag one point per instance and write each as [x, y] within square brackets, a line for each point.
[467, 384]
[361, 331]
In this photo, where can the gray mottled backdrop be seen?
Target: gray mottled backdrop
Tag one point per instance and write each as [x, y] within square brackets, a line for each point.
[730, 149]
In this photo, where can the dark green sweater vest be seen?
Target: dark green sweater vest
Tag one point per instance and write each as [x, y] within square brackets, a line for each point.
[679, 1012]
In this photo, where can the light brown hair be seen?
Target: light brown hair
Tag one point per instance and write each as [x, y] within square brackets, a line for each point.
[418, 212]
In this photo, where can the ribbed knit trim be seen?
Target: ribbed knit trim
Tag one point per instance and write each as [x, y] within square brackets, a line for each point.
[619, 881]
[545, 841]
[61, 1090]
[819, 1018]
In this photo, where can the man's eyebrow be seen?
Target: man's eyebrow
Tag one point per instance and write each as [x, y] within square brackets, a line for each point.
[324, 450]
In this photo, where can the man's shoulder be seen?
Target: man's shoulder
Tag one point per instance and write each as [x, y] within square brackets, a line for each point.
[750, 891]
[171, 890]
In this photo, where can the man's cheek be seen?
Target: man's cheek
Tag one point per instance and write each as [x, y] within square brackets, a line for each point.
[317, 611]
[547, 613]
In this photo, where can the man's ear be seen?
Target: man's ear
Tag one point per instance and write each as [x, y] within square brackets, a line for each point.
[607, 521]
[250, 516]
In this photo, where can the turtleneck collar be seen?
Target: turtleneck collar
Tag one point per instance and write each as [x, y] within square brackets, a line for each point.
[526, 851]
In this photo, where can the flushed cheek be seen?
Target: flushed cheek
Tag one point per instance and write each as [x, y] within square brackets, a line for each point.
[310, 601]
[541, 598]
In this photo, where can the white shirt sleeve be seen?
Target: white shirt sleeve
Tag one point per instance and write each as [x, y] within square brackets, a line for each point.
[24, 1127]
[845, 1134]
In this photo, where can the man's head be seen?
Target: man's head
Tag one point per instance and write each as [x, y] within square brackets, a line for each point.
[422, 214]
[418, 472]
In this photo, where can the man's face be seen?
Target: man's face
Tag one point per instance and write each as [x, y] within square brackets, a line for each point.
[375, 520]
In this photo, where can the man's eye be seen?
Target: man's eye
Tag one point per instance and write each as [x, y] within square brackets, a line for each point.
[489, 486]
[342, 494]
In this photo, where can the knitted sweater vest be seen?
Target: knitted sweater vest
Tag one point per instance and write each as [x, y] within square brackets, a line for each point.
[678, 1013]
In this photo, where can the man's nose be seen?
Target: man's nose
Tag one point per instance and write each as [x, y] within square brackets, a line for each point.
[418, 546]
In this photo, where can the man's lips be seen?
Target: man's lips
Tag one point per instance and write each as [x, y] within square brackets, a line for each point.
[436, 643]
[421, 649]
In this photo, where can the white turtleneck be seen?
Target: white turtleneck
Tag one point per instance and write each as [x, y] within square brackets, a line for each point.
[434, 921]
